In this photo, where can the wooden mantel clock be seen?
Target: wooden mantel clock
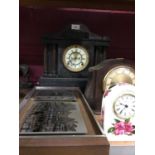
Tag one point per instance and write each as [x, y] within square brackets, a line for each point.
[105, 75]
[69, 54]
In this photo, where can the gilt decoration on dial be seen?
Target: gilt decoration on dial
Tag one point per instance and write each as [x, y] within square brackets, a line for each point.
[75, 58]
[119, 74]
[124, 106]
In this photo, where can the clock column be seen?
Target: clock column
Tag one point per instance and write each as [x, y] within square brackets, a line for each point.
[100, 54]
[50, 60]
[45, 62]
[53, 60]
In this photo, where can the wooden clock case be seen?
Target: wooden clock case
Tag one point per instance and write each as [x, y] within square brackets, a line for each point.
[94, 89]
[55, 73]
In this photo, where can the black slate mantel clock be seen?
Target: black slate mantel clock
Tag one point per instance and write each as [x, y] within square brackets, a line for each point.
[69, 54]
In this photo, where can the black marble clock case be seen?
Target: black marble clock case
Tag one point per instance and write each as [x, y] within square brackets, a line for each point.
[55, 73]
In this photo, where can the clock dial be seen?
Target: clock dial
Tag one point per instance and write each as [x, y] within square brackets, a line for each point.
[119, 74]
[75, 58]
[124, 106]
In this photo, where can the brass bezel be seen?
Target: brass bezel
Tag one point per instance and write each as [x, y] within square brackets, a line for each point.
[107, 86]
[115, 103]
[71, 68]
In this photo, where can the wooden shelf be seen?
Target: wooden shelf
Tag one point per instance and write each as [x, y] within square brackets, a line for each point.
[93, 4]
[122, 143]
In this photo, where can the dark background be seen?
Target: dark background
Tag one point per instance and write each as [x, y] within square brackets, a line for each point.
[34, 22]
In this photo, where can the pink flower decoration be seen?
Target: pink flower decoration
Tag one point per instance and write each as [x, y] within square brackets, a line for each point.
[119, 128]
[128, 127]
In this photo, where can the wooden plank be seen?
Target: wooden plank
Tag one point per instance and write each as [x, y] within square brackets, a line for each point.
[122, 143]
[82, 150]
[93, 4]
[55, 141]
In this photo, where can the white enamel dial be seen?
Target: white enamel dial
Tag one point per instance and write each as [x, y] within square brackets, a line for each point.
[75, 58]
[124, 106]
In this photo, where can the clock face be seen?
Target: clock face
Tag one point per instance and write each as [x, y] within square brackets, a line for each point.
[124, 106]
[75, 58]
[119, 74]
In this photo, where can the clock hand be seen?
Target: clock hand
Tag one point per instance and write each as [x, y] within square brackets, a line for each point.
[122, 110]
[121, 104]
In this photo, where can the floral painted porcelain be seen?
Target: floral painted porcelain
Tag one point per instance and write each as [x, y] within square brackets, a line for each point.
[118, 112]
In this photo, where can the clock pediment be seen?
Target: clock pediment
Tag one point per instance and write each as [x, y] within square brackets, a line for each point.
[76, 32]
